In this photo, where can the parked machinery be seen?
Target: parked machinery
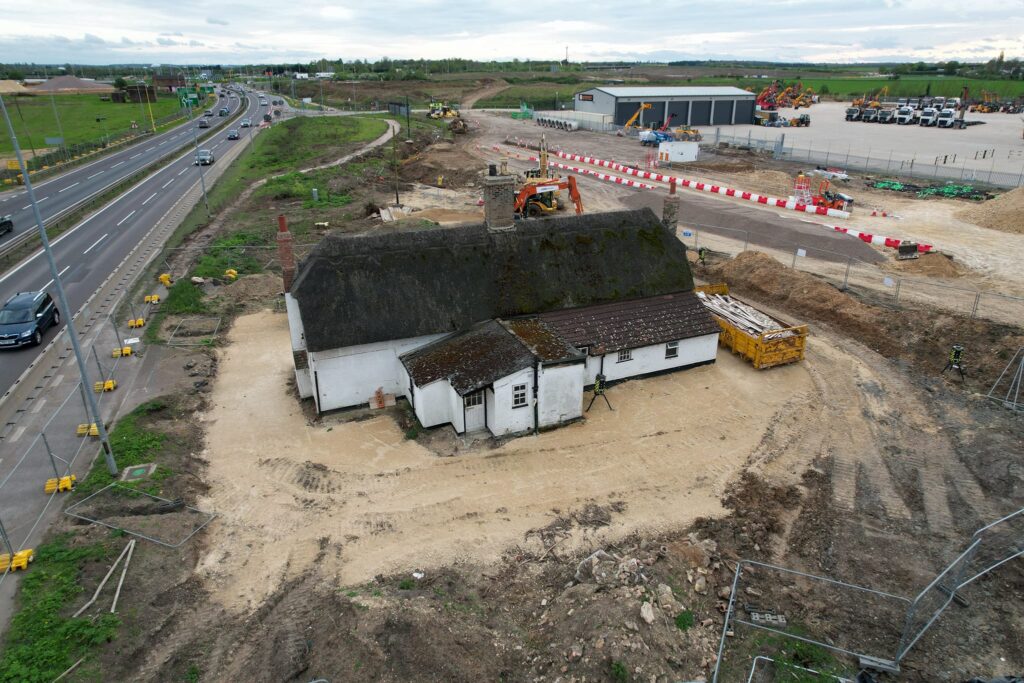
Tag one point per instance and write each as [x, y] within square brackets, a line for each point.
[632, 122]
[441, 110]
[539, 194]
[831, 200]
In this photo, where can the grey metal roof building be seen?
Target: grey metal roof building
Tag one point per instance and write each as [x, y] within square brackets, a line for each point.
[696, 106]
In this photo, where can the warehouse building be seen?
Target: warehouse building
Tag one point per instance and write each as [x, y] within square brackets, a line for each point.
[699, 106]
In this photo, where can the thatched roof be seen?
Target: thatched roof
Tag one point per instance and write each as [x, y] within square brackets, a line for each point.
[358, 289]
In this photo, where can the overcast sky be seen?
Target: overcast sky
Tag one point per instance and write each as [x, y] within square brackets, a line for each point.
[190, 31]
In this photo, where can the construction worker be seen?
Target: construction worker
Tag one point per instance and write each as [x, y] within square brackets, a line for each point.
[599, 388]
[702, 256]
[956, 357]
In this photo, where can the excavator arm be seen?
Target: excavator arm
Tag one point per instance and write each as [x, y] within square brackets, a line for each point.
[634, 117]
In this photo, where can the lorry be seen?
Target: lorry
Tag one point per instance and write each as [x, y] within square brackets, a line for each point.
[929, 115]
[906, 116]
[853, 113]
[887, 116]
[870, 116]
[946, 118]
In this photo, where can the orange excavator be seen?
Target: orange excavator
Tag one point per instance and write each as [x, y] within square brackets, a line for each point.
[831, 200]
[539, 195]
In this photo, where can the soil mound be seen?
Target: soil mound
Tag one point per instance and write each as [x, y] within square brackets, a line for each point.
[932, 264]
[253, 288]
[1004, 213]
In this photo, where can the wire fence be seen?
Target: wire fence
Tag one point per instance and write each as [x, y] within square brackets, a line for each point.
[959, 168]
[849, 273]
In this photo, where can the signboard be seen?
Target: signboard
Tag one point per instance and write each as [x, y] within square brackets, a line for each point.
[54, 141]
[307, 100]
[586, 97]
[131, 340]
[12, 165]
[687, 233]
[801, 252]
[547, 188]
[888, 282]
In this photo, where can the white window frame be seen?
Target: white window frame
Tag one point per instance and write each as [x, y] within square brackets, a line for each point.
[671, 350]
[625, 355]
[520, 396]
[473, 400]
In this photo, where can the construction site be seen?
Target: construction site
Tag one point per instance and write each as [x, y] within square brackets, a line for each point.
[837, 494]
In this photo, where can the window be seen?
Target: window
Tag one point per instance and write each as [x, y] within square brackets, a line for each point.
[518, 395]
[474, 399]
[672, 349]
[625, 355]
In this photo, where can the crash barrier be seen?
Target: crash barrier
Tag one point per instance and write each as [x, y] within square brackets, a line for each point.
[879, 240]
[989, 548]
[556, 122]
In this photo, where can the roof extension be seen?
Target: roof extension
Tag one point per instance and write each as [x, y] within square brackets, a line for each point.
[359, 289]
[654, 92]
[469, 360]
[632, 324]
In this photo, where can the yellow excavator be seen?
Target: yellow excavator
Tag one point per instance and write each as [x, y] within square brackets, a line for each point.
[539, 194]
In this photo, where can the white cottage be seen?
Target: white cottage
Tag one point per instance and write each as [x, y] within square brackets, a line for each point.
[493, 328]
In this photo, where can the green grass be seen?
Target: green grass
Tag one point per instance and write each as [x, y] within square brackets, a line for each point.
[620, 674]
[33, 118]
[42, 643]
[183, 298]
[222, 254]
[537, 95]
[133, 445]
[684, 620]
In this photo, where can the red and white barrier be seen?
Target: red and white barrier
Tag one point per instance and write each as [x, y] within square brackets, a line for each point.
[602, 176]
[707, 187]
[880, 240]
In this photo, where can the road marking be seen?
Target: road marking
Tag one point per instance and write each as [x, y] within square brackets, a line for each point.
[182, 171]
[118, 164]
[35, 409]
[58, 275]
[95, 243]
[164, 186]
[163, 143]
[146, 200]
[125, 218]
[215, 146]
[67, 188]
[94, 175]
[133, 157]
[42, 199]
[150, 149]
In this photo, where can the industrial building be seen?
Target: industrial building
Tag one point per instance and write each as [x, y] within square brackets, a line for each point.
[698, 106]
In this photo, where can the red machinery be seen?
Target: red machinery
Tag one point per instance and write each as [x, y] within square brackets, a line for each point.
[538, 198]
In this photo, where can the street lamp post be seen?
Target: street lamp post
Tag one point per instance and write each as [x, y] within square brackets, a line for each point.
[195, 142]
[108, 452]
[106, 135]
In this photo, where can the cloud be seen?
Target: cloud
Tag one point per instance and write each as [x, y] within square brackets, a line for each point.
[216, 22]
[167, 42]
[177, 34]
[336, 12]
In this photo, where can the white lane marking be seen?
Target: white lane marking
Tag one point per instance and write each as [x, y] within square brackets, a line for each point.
[182, 171]
[215, 146]
[58, 275]
[67, 188]
[164, 186]
[118, 164]
[95, 243]
[125, 218]
[94, 175]
[163, 143]
[146, 200]
[42, 199]
[135, 156]
[150, 149]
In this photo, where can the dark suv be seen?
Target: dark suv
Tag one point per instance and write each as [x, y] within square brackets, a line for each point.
[25, 317]
[6, 224]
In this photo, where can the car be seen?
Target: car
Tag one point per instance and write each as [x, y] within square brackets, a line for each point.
[267, 118]
[245, 123]
[6, 224]
[203, 123]
[208, 112]
[25, 317]
[204, 157]
[224, 111]
[233, 134]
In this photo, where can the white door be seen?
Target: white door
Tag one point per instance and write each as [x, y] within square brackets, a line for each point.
[476, 418]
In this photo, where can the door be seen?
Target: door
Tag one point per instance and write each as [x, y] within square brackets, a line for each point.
[476, 418]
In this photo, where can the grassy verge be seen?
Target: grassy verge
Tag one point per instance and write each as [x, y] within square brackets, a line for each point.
[42, 642]
[134, 443]
[34, 120]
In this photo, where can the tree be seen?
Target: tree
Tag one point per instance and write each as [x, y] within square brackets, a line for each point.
[952, 67]
[120, 83]
[15, 75]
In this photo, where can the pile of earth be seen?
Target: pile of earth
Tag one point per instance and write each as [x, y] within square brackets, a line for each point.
[1004, 213]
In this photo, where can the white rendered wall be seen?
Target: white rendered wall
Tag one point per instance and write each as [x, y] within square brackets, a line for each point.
[433, 404]
[349, 376]
[561, 393]
[509, 420]
[650, 359]
[303, 377]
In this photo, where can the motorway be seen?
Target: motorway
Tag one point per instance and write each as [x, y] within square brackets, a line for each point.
[89, 251]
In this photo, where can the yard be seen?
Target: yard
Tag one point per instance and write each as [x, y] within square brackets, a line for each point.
[34, 120]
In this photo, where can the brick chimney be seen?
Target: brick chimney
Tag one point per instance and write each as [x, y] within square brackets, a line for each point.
[670, 210]
[285, 253]
[499, 200]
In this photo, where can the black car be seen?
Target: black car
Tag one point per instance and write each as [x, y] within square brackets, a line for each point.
[6, 224]
[25, 317]
[232, 134]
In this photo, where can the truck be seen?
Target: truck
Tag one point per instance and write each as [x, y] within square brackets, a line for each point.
[853, 113]
[906, 116]
[887, 116]
[870, 116]
[946, 118]
[929, 116]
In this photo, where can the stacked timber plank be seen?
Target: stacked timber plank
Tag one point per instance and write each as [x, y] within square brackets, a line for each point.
[744, 317]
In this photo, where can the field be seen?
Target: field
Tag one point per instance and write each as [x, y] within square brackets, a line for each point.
[34, 121]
